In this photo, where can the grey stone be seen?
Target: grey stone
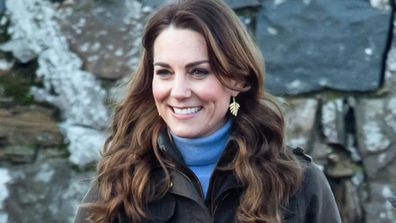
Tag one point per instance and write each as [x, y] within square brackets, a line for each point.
[320, 150]
[317, 44]
[5, 66]
[381, 4]
[339, 166]
[85, 144]
[344, 175]
[390, 118]
[46, 191]
[373, 133]
[376, 163]
[153, 4]
[2, 6]
[6, 102]
[20, 49]
[392, 200]
[333, 126]
[5, 179]
[351, 147]
[238, 4]
[377, 208]
[375, 139]
[300, 120]
[390, 73]
[375, 119]
[108, 44]
[235, 4]
[29, 126]
[59, 69]
[349, 201]
[76, 92]
[18, 154]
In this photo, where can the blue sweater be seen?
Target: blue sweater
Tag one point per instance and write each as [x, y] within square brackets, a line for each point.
[201, 154]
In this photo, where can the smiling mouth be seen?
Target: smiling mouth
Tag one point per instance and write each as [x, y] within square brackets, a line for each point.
[186, 111]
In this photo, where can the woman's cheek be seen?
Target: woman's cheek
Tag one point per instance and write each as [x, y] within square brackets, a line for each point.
[159, 90]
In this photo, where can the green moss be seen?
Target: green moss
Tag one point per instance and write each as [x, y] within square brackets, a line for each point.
[63, 148]
[357, 168]
[16, 84]
[15, 88]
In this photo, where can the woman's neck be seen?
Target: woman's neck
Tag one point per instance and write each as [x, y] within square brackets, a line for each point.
[203, 150]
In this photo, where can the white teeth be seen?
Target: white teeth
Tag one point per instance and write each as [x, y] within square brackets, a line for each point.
[186, 111]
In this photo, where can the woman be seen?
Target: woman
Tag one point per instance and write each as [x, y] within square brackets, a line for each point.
[178, 154]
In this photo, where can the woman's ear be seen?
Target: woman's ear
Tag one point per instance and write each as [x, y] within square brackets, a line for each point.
[234, 93]
[237, 86]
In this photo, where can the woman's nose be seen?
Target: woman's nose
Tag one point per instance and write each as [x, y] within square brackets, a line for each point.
[181, 87]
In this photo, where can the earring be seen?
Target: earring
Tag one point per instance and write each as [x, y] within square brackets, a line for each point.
[234, 107]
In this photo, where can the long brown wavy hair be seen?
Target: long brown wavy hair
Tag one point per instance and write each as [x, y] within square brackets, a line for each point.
[267, 170]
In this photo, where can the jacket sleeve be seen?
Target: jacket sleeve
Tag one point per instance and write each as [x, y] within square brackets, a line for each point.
[91, 196]
[319, 199]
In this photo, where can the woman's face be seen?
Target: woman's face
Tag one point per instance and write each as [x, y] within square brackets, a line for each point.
[188, 96]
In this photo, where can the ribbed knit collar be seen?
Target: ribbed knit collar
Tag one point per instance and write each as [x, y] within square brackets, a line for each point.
[203, 150]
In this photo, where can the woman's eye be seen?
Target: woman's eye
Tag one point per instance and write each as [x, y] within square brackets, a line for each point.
[163, 72]
[199, 72]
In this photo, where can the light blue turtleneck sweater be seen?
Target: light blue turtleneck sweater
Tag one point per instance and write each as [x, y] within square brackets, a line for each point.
[201, 154]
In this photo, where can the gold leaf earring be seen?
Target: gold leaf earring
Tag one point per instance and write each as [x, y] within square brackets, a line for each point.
[234, 107]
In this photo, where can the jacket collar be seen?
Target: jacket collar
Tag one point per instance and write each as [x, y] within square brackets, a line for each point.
[224, 180]
[168, 148]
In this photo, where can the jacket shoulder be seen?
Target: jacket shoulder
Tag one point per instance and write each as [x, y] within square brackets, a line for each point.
[315, 196]
[305, 159]
[314, 179]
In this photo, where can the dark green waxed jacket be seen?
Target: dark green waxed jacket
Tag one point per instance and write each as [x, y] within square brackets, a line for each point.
[184, 203]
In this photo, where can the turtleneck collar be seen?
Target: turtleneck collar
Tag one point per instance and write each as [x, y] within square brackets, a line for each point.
[203, 150]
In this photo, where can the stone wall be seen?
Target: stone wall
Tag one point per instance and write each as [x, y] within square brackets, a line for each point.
[332, 65]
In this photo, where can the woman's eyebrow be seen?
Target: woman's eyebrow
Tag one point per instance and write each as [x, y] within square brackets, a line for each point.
[192, 64]
[162, 64]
